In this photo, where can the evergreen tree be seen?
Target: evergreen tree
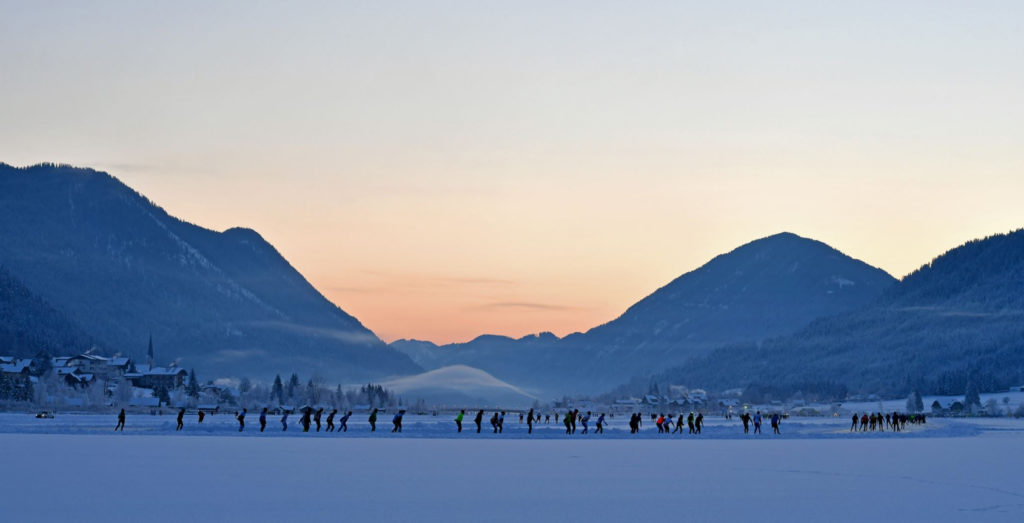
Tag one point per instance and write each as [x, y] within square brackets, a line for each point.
[161, 392]
[915, 403]
[972, 398]
[277, 390]
[149, 353]
[293, 383]
[192, 389]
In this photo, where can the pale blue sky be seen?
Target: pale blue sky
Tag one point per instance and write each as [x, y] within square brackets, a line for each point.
[447, 169]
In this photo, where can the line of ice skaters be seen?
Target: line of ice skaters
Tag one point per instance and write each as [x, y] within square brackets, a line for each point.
[896, 421]
[664, 423]
[306, 420]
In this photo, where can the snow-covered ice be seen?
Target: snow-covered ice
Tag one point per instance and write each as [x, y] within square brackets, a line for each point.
[75, 468]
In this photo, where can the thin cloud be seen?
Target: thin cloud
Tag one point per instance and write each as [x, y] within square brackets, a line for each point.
[524, 305]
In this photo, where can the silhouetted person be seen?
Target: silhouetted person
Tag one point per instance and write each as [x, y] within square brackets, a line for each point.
[699, 422]
[775, 423]
[263, 419]
[343, 422]
[181, 417]
[120, 422]
[520, 417]
[745, 418]
[599, 427]
[458, 420]
[316, 418]
[479, 419]
[201, 415]
[494, 422]
[853, 426]
[284, 421]
[373, 421]
[330, 420]
[241, 419]
[397, 421]
[304, 420]
[568, 422]
[575, 414]
[529, 422]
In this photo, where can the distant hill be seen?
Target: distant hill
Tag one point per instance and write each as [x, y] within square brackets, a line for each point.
[122, 269]
[763, 289]
[460, 385]
[958, 318]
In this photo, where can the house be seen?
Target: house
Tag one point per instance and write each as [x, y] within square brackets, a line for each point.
[169, 378]
[16, 368]
[89, 364]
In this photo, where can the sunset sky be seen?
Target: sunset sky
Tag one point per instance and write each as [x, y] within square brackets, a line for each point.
[444, 170]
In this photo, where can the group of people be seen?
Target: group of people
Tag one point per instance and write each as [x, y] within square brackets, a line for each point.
[694, 423]
[876, 421]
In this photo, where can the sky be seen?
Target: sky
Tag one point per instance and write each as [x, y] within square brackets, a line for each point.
[444, 170]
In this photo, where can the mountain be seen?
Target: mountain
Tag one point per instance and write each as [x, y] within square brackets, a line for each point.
[121, 268]
[460, 385]
[763, 289]
[29, 325]
[958, 318]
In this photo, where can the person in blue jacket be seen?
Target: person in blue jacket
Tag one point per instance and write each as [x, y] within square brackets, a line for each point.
[397, 421]
[599, 428]
[241, 420]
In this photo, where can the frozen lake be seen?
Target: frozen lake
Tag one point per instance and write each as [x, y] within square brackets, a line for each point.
[75, 467]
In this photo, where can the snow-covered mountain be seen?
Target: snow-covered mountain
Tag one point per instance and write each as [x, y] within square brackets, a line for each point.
[122, 269]
[760, 290]
[958, 318]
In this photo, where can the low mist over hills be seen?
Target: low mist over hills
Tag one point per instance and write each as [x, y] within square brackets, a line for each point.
[119, 268]
[765, 288]
[958, 318]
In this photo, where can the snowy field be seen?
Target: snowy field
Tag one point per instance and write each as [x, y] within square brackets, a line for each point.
[74, 468]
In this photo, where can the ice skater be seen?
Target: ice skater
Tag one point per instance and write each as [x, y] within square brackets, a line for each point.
[284, 422]
[373, 421]
[181, 417]
[330, 420]
[757, 423]
[263, 419]
[584, 420]
[397, 421]
[201, 415]
[458, 420]
[529, 422]
[240, 416]
[775, 423]
[316, 418]
[120, 422]
[343, 422]
[501, 422]
[479, 419]
[599, 426]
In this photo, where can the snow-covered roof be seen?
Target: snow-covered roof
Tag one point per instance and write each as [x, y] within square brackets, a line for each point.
[163, 371]
[16, 367]
[89, 357]
[118, 362]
